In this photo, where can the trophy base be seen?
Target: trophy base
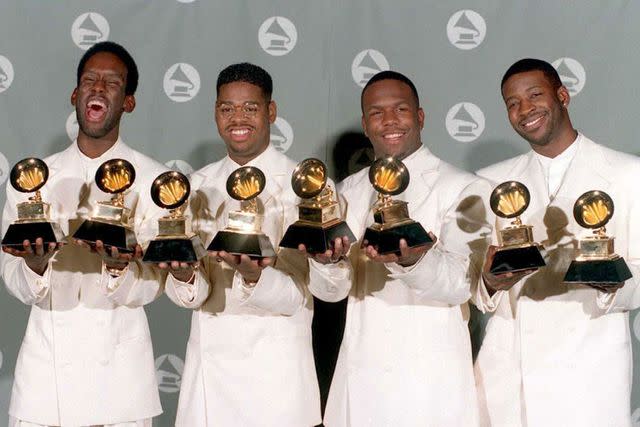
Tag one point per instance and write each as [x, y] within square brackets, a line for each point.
[124, 239]
[601, 272]
[387, 241]
[516, 259]
[17, 233]
[178, 249]
[315, 238]
[254, 245]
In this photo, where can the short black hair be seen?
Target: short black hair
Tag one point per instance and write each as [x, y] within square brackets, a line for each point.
[122, 54]
[391, 75]
[531, 64]
[248, 73]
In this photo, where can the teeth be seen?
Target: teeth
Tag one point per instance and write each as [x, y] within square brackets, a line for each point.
[393, 135]
[240, 131]
[101, 104]
[533, 122]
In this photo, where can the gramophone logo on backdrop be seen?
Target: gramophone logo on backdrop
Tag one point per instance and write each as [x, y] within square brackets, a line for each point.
[466, 29]
[6, 73]
[181, 82]
[89, 29]
[281, 135]
[180, 166]
[367, 64]
[465, 122]
[4, 171]
[277, 36]
[571, 73]
[169, 368]
[71, 126]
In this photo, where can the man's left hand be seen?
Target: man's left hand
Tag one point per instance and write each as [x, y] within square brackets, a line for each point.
[249, 269]
[408, 256]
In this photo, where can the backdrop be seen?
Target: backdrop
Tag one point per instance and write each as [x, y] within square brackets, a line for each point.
[320, 53]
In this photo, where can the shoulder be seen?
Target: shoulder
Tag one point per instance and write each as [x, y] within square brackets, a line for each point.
[497, 171]
[354, 182]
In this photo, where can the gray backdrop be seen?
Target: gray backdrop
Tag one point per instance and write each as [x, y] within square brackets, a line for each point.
[319, 53]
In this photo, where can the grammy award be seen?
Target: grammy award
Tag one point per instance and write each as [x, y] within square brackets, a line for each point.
[596, 262]
[243, 234]
[110, 220]
[170, 190]
[390, 177]
[28, 176]
[516, 251]
[319, 222]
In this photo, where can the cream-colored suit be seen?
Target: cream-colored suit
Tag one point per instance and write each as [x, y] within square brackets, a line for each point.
[405, 358]
[86, 357]
[557, 354]
[249, 357]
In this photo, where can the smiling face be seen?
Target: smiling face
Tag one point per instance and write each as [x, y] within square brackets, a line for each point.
[537, 111]
[100, 97]
[391, 118]
[244, 116]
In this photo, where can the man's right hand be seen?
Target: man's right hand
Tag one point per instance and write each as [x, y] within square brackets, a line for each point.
[503, 281]
[38, 259]
[182, 271]
[339, 250]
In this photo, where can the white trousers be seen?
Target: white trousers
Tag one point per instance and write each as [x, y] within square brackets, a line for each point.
[14, 422]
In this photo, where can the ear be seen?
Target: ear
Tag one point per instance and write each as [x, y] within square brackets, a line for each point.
[563, 96]
[129, 103]
[421, 117]
[273, 111]
[74, 96]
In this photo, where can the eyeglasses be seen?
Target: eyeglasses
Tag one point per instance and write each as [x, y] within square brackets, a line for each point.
[248, 109]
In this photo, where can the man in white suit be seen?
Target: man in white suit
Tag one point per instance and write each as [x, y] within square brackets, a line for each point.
[86, 358]
[558, 354]
[405, 358]
[249, 358]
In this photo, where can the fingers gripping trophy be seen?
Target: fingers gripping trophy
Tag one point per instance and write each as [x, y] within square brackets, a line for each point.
[29, 176]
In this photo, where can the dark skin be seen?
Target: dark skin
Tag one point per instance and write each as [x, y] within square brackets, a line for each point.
[101, 89]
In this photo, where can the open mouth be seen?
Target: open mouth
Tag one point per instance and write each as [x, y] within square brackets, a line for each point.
[533, 123]
[393, 136]
[96, 110]
[240, 134]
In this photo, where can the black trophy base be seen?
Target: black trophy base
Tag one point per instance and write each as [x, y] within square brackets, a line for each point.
[179, 249]
[253, 245]
[17, 233]
[516, 259]
[388, 240]
[598, 272]
[316, 239]
[124, 239]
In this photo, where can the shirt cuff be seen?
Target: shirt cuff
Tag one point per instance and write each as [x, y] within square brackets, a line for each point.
[37, 284]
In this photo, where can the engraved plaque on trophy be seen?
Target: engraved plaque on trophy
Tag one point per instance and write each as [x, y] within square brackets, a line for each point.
[390, 177]
[170, 190]
[319, 222]
[516, 251]
[243, 234]
[110, 220]
[28, 176]
[596, 263]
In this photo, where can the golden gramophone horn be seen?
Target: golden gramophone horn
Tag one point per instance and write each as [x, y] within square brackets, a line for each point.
[170, 190]
[509, 199]
[29, 175]
[246, 183]
[309, 178]
[593, 209]
[115, 176]
[389, 176]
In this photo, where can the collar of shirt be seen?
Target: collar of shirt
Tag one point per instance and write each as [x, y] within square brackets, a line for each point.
[90, 165]
[555, 168]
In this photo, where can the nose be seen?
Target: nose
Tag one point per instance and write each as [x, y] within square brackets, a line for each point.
[526, 107]
[98, 86]
[389, 117]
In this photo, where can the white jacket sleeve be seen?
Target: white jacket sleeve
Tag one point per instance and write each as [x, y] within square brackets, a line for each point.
[330, 282]
[188, 295]
[139, 284]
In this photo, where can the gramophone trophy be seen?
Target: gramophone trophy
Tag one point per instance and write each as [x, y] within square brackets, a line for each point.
[28, 176]
[517, 250]
[170, 190]
[319, 222]
[110, 220]
[596, 264]
[243, 233]
[390, 177]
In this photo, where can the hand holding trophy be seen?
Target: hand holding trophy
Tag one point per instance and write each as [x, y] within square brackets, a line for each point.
[29, 176]
[319, 222]
[110, 222]
[597, 264]
[243, 234]
[170, 190]
[390, 177]
[517, 250]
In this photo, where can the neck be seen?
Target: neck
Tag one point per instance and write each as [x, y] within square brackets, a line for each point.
[96, 147]
[401, 156]
[557, 146]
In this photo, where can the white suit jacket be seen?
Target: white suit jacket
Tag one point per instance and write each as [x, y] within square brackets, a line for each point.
[249, 357]
[557, 354]
[86, 357]
[405, 358]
